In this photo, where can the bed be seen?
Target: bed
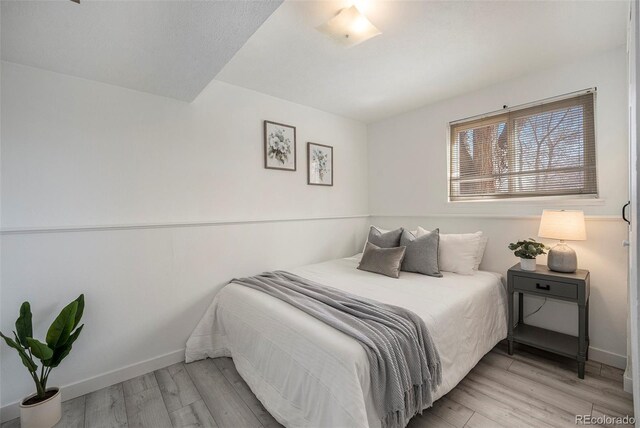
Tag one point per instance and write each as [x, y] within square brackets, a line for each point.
[307, 374]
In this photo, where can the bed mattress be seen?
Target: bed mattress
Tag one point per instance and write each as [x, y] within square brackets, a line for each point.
[308, 374]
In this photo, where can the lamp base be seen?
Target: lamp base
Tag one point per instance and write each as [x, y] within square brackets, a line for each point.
[562, 258]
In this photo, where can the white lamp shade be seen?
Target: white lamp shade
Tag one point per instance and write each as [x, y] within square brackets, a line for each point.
[349, 27]
[563, 225]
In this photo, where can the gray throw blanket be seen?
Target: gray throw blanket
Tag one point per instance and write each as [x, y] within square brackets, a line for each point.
[405, 364]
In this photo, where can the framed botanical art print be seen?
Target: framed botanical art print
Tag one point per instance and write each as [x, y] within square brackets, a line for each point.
[279, 146]
[320, 164]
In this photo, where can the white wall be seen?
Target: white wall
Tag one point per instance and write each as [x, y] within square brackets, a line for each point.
[172, 187]
[77, 153]
[408, 186]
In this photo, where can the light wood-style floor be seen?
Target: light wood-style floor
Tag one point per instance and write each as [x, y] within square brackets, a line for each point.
[529, 389]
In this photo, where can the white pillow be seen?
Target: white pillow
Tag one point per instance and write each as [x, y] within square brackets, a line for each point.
[458, 252]
[481, 248]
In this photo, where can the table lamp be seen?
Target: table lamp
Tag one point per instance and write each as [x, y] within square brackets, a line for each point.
[565, 226]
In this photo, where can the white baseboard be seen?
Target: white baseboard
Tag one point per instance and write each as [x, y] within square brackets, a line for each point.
[628, 382]
[608, 358]
[12, 410]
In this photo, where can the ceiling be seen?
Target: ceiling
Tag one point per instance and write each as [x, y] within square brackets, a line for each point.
[428, 50]
[169, 48]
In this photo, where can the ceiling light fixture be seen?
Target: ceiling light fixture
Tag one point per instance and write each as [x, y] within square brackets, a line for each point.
[349, 27]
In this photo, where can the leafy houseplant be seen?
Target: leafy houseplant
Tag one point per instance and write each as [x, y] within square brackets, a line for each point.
[528, 250]
[59, 340]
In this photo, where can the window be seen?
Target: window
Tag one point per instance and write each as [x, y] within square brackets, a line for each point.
[544, 150]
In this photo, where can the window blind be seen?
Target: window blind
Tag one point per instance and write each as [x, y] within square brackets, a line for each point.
[542, 150]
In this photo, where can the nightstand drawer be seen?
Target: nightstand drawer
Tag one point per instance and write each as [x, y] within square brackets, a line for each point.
[543, 286]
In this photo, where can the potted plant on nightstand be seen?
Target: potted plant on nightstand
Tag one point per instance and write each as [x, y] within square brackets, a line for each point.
[44, 408]
[528, 250]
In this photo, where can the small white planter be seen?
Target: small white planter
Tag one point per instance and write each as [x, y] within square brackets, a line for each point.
[44, 414]
[528, 264]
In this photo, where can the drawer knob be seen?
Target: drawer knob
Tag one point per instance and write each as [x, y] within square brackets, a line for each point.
[543, 287]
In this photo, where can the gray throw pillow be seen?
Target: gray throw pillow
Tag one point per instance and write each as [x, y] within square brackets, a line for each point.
[421, 255]
[384, 240]
[386, 261]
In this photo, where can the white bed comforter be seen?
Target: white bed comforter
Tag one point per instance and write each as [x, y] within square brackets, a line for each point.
[308, 374]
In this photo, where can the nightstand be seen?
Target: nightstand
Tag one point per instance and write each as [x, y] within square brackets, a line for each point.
[570, 287]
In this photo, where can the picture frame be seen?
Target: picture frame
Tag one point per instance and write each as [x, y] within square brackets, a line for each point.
[279, 146]
[319, 164]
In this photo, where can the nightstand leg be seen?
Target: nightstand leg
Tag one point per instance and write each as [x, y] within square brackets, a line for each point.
[510, 323]
[520, 308]
[586, 321]
[582, 339]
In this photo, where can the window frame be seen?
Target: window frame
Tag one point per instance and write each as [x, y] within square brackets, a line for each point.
[504, 113]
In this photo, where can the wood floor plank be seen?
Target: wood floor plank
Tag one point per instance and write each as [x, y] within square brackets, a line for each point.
[195, 415]
[592, 388]
[222, 400]
[479, 421]
[563, 366]
[146, 409]
[592, 367]
[177, 387]
[601, 412]
[503, 413]
[522, 402]
[105, 408]
[139, 384]
[228, 369]
[72, 413]
[428, 420]
[498, 360]
[454, 413]
[548, 359]
[514, 382]
[612, 373]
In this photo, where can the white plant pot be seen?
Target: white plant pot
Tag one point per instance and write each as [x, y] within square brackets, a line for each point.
[528, 264]
[44, 414]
